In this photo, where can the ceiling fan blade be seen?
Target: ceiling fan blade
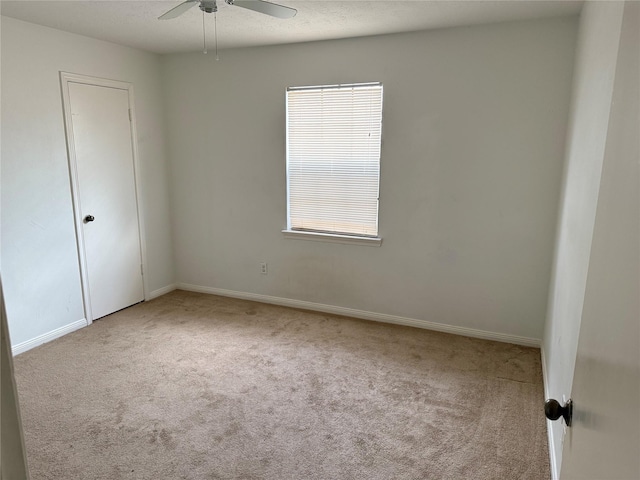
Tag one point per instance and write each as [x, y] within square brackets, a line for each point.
[268, 8]
[179, 10]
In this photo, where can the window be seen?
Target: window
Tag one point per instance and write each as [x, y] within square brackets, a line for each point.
[333, 159]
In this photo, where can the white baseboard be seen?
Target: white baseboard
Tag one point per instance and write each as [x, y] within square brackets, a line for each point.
[161, 291]
[59, 332]
[553, 461]
[47, 337]
[362, 314]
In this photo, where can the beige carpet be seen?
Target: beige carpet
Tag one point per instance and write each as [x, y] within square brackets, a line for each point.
[192, 386]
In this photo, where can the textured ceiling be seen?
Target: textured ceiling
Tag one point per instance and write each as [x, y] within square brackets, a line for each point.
[134, 23]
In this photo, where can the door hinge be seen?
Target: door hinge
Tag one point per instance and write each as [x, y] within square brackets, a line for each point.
[141, 270]
[130, 115]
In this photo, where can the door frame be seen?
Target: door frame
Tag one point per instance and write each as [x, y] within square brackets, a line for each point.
[65, 79]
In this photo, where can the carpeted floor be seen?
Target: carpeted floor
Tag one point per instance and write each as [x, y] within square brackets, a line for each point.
[192, 386]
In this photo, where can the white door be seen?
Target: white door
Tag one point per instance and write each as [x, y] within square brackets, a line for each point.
[106, 197]
[604, 440]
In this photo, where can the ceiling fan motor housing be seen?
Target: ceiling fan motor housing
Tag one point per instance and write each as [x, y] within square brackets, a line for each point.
[211, 6]
[208, 7]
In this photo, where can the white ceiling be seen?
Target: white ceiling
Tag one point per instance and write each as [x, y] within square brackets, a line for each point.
[134, 23]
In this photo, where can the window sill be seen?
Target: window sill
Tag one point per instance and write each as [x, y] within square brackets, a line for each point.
[332, 238]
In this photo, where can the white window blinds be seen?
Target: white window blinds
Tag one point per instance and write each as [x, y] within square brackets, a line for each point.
[333, 158]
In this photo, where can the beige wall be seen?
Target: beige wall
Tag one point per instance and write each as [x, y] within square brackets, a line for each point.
[38, 246]
[473, 142]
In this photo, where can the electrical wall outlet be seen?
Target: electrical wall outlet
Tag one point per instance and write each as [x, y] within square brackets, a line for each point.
[263, 268]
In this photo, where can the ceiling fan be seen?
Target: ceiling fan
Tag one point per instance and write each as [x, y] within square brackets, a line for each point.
[210, 6]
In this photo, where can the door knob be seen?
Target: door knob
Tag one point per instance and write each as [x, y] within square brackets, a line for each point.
[89, 218]
[553, 410]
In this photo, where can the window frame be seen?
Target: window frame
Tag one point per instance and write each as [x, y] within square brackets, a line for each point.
[328, 236]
